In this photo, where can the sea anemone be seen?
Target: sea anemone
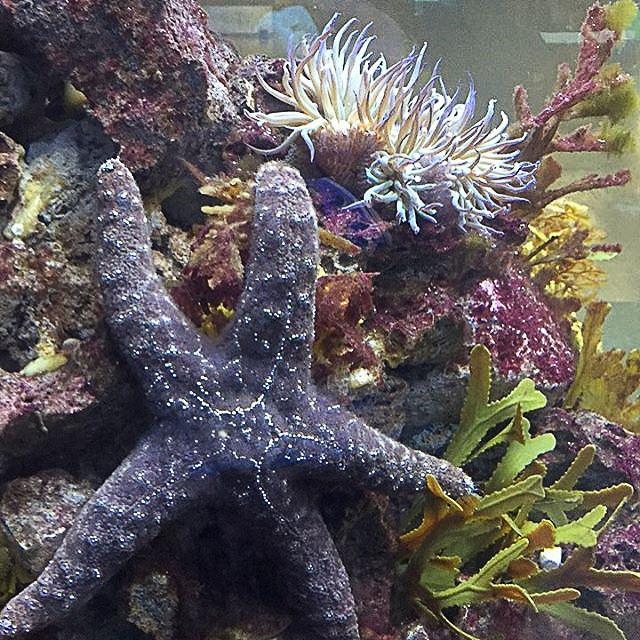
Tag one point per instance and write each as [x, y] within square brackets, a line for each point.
[336, 88]
[413, 144]
[476, 163]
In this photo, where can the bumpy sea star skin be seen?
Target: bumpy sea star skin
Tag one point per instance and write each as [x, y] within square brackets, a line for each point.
[238, 422]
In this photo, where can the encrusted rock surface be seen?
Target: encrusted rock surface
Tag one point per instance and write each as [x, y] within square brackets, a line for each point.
[618, 451]
[36, 512]
[50, 311]
[16, 90]
[152, 72]
[153, 605]
[11, 154]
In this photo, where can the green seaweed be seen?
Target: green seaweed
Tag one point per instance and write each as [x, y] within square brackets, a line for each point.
[7, 575]
[522, 451]
[12, 574]
[619, 138]
[620, 15]
[493, 541]
[606, 381]
[479, 415]
[597, 624]
[617, 100]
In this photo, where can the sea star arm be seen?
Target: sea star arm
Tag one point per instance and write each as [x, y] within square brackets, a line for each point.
[380, 463]
[153, 484]
[317, 584]
[272, 336]
[164, 350]
[352, 449]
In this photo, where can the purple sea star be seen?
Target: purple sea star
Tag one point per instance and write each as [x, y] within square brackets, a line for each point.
[236, 422]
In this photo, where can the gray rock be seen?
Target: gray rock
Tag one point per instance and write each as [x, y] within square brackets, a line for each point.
[153, 605]
[11, 155]
[15, 88]
[36, 512]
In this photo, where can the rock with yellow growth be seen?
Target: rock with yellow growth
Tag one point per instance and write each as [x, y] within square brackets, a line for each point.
[564, 248]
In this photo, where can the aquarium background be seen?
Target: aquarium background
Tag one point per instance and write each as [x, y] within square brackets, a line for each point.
[500, 44]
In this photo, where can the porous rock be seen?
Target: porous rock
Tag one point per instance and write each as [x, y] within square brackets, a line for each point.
[36, 512]
[15, 88]
[152, 72]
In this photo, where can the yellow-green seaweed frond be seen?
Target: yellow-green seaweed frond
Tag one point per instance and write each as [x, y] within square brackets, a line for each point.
[617, 100]
[606, 381]
[563, 250]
